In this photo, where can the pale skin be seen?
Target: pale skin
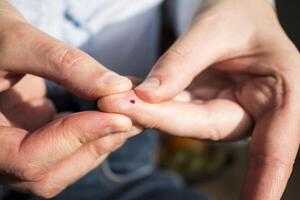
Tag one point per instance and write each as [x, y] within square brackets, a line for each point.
[43, 153]
[234, 73]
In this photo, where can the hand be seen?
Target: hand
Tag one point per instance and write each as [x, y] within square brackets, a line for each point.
[249, 61]
[46, 160]
[26, 50]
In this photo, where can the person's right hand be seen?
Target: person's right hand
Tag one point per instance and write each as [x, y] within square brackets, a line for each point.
[47, 160]
[44, 159]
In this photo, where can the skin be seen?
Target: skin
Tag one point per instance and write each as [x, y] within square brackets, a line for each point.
[242, 77]
[42, 152]
[26, 50]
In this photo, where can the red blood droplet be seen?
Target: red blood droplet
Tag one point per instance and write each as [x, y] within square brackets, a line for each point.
[132, 101]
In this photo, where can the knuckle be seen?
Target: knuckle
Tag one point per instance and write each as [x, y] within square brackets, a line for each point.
[263, 94]
[271, 91]
[63, 58]
[175, 55]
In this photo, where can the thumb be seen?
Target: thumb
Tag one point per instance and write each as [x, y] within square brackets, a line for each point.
[215, 120]
[68, 134]
[204, 44]
[177, 67]
[24, 49]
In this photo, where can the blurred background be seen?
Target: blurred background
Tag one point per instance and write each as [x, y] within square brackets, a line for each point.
[218, 170]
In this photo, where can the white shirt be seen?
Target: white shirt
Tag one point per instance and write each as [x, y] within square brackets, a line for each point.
[73, 21]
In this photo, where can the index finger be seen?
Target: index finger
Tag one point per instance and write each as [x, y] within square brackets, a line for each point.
[219, 119]
[26, 50]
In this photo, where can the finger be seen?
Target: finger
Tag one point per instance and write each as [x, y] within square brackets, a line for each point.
[76, 165]
[64, 136]
[35, 113]
[175, 70]
[274, 146]
[7, 80]
[215, 120]
[10, 140]
[24, 91]
[28, 50]
[201, 46]
[27, 97]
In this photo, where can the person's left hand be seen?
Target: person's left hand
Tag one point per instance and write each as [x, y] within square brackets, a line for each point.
[36, 156]
[206, 110]
[246, 68]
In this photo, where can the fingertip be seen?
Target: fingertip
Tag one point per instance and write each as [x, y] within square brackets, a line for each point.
[119, 103]
[132, 106]
[167, 90]
[152, 96]
[145, 95]
[149, 89]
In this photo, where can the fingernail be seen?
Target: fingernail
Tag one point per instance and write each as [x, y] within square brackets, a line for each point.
[111, 78]
[150, 83]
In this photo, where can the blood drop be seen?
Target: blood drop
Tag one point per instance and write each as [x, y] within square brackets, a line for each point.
[132, 101]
